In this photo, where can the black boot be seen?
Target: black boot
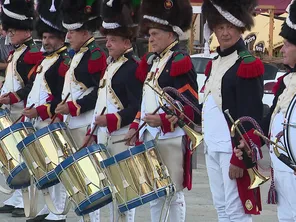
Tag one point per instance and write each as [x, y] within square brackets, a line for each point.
[63, 220]
[38, 218]
[18, 212]
[6, 209]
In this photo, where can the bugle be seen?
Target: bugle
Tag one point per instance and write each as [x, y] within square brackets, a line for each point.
[256, 179]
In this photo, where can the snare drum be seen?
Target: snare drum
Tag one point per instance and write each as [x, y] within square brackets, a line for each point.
[15, 170]
[5, 120]
[44, 150]
[138, 175]
[85, 182]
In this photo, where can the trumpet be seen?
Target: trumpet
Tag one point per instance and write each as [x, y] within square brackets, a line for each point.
[282, 157]
[195, 137]
[256, 179]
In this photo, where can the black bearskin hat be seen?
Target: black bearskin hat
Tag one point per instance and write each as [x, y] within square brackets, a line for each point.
[81, 14]
[242, 10]
[120, 18]
[49, 18]
[18, 14]
[288, 30]
[166, 14]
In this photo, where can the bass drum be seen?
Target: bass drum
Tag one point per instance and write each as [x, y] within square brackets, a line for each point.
[290, 130]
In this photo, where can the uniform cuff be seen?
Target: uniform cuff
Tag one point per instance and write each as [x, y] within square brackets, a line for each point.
[44, 111]
[167, 126]
[74, 108]
[14, 98]
[134, 125]
[113, 122]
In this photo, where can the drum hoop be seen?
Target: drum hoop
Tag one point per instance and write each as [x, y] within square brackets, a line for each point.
[39, 134]
[48, 180]
[19, 168]
[128, 153]
[80, 209]
[286, 129]
[15, 127]
[4, 112]
[70, 160]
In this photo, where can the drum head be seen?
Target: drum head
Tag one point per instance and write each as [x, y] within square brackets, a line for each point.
[290, 130]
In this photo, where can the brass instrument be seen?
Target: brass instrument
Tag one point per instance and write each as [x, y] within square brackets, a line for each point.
[256, 179]
[282, 157]
[195, 137]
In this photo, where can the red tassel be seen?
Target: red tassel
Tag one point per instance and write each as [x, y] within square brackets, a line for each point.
[272, 194]
[181, 67]
[142, 70]
[33, 58]
[251, 70]
[208, 68]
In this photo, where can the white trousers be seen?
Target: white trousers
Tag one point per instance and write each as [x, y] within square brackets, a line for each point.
[15, 200]
[224, 190]
[285, 184]
[177, 209]
[59, 196]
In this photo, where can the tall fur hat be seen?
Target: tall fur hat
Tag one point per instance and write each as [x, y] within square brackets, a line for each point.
[169, 15]
[18, 14]
[81, 14]
[237, 12]
[120, 18]
[49, 17]
[288, 30]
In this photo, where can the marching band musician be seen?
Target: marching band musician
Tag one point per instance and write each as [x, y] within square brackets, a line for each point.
[86, 68]
[164, 22]
[285, 89]
[17, 19]
[234, 82]
[120, 90]
[47, 88]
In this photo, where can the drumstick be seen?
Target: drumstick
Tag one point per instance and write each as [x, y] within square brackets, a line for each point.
[18, 119]
[55, 115]
[137, 131]
[94, 129]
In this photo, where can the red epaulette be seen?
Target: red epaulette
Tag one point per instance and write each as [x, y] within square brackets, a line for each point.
[181, 64]
[208, 68]
[277, 85]
[33, 55]
[142, 70]
[250, 67]
[64, 65]
[97, 62]
[9, 57]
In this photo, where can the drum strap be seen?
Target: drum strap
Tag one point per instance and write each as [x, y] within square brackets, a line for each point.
[6, 191]
[51, 205]
[86, 218]
[30, 196]
[165, 210]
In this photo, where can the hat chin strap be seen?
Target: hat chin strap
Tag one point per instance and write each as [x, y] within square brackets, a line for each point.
[229, 17]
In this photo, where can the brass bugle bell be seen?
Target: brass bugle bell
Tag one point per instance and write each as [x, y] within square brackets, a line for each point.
[256, 178]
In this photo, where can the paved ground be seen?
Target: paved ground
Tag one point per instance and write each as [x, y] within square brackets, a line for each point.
[199, 202]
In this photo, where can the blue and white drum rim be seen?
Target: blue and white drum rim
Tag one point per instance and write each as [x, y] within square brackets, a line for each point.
[15, 127]
[288, 145]
[69, 161]
[145, 198]
[48, 180]
[4, 112]
[128, 153]
[18, 169]
[82, 209]
[39, 133]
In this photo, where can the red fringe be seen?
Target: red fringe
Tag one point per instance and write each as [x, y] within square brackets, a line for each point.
[251, 70]
[142, 70]
[63, 69]
[97, 65]
[33, 57]
[181, 67]
[208, 68]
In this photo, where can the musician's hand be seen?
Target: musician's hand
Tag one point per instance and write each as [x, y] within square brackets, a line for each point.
[235, 172]
[5, 99]
[30, 113]
[62, 108]
[101, 120]
[238, 150]
[91, 140]
[238, 153]
[172, 118]
[152, 120]
[129, 135]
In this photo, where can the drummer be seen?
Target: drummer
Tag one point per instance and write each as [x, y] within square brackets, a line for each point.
[17, 19]
[284, 90]
[167, 65]
[120, 90]
[86, 68]
[47, 88]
